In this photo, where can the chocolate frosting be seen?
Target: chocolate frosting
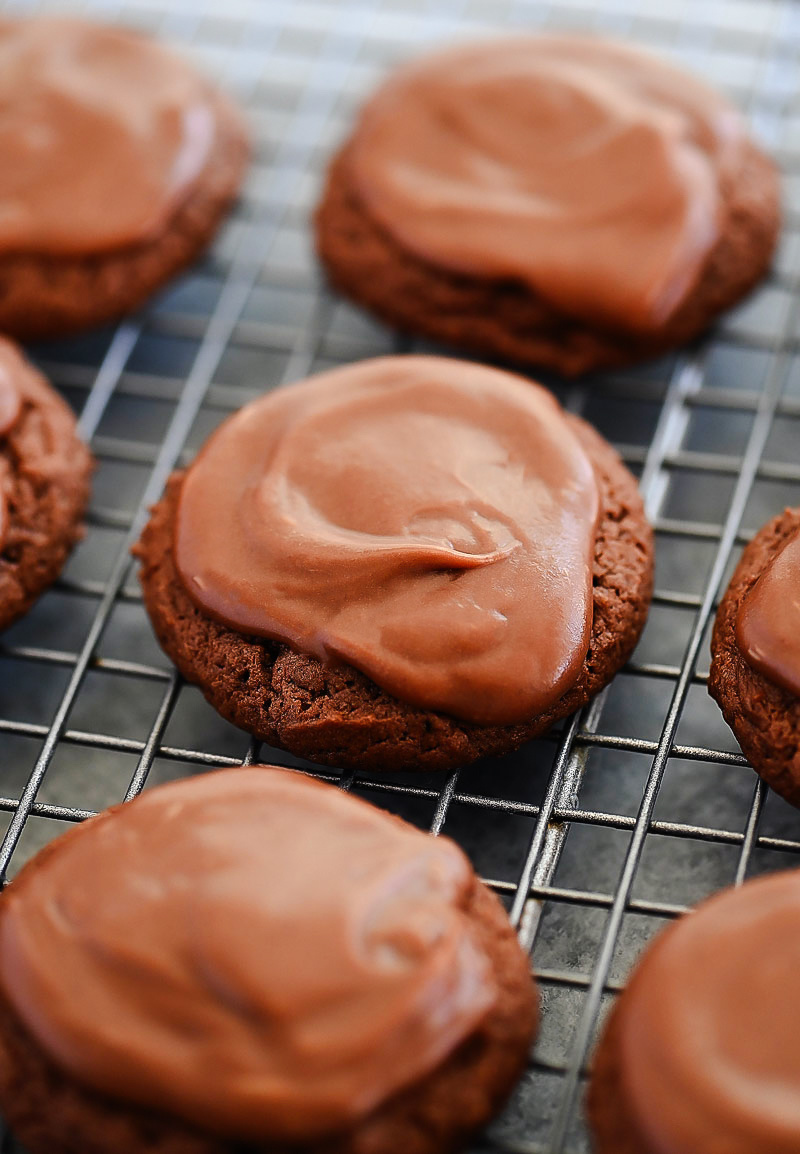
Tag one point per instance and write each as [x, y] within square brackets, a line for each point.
[710, 1027]
[102, 134]
[252, 950]
[768, 622]
[588, 171]
[10, 410]
[428, 521]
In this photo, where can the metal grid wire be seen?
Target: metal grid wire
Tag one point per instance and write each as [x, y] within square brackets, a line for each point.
[635, 808]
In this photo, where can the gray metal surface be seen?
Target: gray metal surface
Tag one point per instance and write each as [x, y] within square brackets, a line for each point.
[636, 808]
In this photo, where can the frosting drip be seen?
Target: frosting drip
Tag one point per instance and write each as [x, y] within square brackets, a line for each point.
[251, 950]
[427, 521]
[102, 134]
[710, 1027]
[10, 410]
[768, 622]
[586, 170]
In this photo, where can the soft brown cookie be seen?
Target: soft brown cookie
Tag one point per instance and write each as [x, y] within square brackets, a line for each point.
[764, 716]
[112, 205]
[44, 484]
[471, 277]
[54, 1111]
[700, 1052]
[615, 1130]
[336, 715]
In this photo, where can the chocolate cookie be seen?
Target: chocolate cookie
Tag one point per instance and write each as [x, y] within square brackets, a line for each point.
[44, 484]
[614, 1128]
[763, 713]
[251, 960]
[306, 697]
[119, 163]
[700, 1053]
[558, 201]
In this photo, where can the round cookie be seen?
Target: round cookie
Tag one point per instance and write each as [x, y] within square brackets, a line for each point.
[764, 716]
[700, 1053]
[334, 713]
[446, 214]
[44, 484]
[279, 967]
[120, 162]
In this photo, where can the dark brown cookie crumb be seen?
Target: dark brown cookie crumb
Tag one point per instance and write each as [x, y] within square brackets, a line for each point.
[506, 319]
[45, 471]
[338, 716]
[764, 717]
[52, 1113]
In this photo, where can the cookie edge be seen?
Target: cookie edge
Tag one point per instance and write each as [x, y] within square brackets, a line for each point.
[507, 320]
[61, 502]
[43, 297]
[54, 1113]
[436, 741]
[612, 1125]
[752, 705]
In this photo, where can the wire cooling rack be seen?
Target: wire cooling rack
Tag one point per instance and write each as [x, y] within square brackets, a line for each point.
[634, 809]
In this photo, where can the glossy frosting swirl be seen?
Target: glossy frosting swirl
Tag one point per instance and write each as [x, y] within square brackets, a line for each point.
[252, 950]
[102, 134]
[710, 1027]
[768, 622]
[428, 521]
[587, 170]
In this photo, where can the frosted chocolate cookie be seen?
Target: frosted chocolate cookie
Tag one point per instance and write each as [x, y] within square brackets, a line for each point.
[701, 1053]
[407, 563]
[755, 648]
[44, 483]
[556, 200]
[251, 960]
[119, 161]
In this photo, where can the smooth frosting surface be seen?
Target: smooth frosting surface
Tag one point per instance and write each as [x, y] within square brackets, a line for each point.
[768, 622]
[428, 521]
[260, 953]
[587, 170]
[710, 1027]
[10, 410]
[102, 133]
